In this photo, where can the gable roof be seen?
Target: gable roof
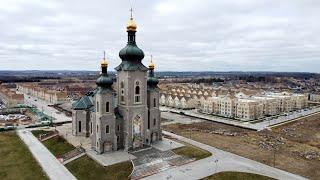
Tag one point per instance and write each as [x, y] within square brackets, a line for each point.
[83, 103]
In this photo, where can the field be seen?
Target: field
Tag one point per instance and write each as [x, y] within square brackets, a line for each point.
[85, 168]
[16, 160]
[292, 147]
[236, 176]
[192, 152]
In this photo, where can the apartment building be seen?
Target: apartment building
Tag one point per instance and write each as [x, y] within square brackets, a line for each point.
[238, 104]
[9, 96]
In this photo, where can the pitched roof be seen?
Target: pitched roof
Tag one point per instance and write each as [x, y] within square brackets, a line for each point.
[83, 103]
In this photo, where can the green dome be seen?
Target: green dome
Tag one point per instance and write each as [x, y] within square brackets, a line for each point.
[104, 81]
[131, 53]
[152, 81]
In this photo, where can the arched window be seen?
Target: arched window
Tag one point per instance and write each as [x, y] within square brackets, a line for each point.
[137, 90]
[97, 106]
[122, 91]
[91, 127]
[107, 129]
[79, 126]
[137, 94]
[154, 102]
[107, 107]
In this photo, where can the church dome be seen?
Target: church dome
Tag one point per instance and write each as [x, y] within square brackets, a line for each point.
[104, 81]
[131, 26]
[152, 81]
[131, 53]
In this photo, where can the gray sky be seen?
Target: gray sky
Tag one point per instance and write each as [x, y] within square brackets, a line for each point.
[182, 35]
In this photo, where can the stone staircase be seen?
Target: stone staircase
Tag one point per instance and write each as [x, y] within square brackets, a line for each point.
[152, 161]
[48, 135]
[72, 155]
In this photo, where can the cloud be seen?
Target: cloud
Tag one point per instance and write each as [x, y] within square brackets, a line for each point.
[182, 35]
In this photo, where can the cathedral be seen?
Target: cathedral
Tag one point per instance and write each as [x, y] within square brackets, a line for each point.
[122, 115]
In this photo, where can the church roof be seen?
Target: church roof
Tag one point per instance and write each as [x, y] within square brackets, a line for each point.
[131, 66]
[83, 103]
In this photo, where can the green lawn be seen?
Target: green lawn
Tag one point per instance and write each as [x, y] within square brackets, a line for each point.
[85, 168]
[192, 152]
[58, 146]
[36, 133]
[236, 176]
[16, 161]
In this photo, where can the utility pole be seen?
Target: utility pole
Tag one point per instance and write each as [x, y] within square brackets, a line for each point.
[274, 157]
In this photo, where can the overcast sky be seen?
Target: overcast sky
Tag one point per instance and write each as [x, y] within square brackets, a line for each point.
[182, 35]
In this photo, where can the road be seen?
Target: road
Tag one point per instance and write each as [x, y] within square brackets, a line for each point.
[220, 161]
[51, 166]
[255, 126]
[43, 106]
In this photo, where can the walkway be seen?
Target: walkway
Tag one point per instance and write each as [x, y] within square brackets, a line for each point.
[220, 161]
[51, 166]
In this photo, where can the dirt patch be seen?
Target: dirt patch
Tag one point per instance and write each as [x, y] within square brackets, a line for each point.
[292, 147]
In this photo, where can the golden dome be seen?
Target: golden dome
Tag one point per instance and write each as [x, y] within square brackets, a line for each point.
[151, 64]
[132, 26]
[104, 63]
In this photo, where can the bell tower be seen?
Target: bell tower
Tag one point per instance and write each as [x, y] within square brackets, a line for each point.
[132, 91]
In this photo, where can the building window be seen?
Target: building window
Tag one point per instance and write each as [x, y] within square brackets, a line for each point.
[97, 128]
[107, 129]
[107, 107]
[97, 106]
[122, 91]
[154, 102]
[79, 126]
[118, 127]
[154, 121]
[91, 127]
[149, 123]
[137, 95]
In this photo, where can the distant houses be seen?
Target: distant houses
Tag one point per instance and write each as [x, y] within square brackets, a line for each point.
[239, 104]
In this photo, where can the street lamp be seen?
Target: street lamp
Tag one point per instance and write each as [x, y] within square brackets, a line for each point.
[216, 161]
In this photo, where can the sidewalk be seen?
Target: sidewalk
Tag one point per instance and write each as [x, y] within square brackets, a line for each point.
[50, 165]
[220, 161]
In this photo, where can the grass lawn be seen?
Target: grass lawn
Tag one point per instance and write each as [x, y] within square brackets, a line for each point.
[58, 146]
[236, 176]
[192, 152]
[85, 168]
[36, 133]
[16, 161]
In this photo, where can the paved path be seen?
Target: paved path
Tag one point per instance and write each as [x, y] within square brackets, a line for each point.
[220, 161]
[51, 166]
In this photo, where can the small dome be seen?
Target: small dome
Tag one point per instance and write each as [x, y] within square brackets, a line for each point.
[131, 53]
[104, 63]
[104, 81]
[152, 65]
[152, 81]
[131, 26]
